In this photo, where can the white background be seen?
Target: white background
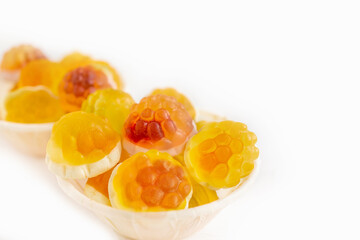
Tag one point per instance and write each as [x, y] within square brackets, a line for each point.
[288, 69]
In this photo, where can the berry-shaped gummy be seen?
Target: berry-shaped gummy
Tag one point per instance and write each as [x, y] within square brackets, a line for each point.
[41, 72]
[32, 105]
[79, 83]
[158, 122]
[111, 104]
[82, 145]
[76, 59]
[221, 154]
[16, 58]
[179, 97]
[151, 181]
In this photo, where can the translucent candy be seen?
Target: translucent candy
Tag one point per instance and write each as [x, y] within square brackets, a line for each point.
[112, 104]
[76, 60]
[201, 195]
[32, 105]
[19, 56]
[221, 154]
[79, 83]
[96, 188]
[179, 97]
[82, 145]
[42, 72]
[158, 122]
[151, 181]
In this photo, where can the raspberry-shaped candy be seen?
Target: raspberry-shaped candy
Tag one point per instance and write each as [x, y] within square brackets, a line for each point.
[221, 154]
[111, 104]
[42, 72]
[179, 97]
[32, 105]
[151, 181]
[79, 83]
[16, 58]
[76, 59]
[82, 145]
[158, 122]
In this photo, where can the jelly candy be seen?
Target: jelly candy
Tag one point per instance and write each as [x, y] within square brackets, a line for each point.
[79, 83]
[96, 188]
[112, 104]
[82, 145]
[17, 57]
[151, 181]
[32, 105]
[158, 122]
[201, 195]
[221, 154]
[76, 60]
[179, 97]
[42, 72]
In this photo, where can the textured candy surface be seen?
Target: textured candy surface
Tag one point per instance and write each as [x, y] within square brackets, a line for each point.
[78, 84]
[32, 105]
[158, 122]
[112, 104]
[17, 57]
[151, 181]
[221, 154]
[81, 138]
[76, 60]
[179, 97]
[42, 72]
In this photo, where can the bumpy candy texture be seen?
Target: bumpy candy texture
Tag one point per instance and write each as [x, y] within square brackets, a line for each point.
[179, 97]
[111, 104]
[81, 138]
[158, 122]
[76, 60]
[221, 154]
[78, 84]
[151, 181]
[17, 57]
[41, 72]
[32, 105]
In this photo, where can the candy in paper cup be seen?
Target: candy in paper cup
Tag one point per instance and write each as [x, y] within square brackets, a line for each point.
[176, 224]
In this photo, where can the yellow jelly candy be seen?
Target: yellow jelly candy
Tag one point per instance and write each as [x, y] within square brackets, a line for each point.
[82, 145]
[158, 122]
[151, 181]
[78, 84]
[111, 104]
[221, 154]
[19, 56]
[76, 60]
[42, 72]
[201, 195]
[179, 97]
[32, 105]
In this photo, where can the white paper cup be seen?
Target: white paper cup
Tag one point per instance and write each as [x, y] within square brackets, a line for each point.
[28, 138]
[168, 225]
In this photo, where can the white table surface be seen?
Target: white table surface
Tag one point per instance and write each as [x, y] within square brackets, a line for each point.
[288, 69]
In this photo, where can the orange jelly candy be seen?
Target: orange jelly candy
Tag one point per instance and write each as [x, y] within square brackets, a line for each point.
[151, 181]
[78, 84]
[17, 57]
[158, 122]
[221, 154]
[42, 72]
